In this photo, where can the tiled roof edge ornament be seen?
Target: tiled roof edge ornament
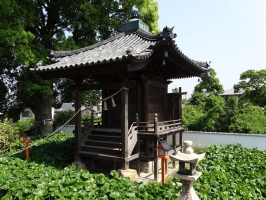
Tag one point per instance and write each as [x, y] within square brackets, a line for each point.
[135, 12]
[129, 51]
[167, 33]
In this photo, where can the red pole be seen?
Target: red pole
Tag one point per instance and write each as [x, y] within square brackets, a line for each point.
[27, 150]
[163, 170]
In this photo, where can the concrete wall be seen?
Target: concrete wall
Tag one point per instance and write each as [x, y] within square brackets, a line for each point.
[204, 139]
[66, 129]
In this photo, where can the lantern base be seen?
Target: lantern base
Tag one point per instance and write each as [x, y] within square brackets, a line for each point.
[80, 165]
[188, 192]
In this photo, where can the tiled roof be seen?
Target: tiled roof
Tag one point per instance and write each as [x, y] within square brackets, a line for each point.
[136, 44]
[231, 92]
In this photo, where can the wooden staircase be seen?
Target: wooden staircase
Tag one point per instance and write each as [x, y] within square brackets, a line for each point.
[106, 144]
[102, 143]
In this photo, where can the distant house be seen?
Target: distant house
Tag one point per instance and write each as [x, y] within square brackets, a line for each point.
[27, 113]
[231, 93]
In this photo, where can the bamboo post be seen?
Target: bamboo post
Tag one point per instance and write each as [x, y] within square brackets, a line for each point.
[156, 123]
[155, 145]
[138, 147]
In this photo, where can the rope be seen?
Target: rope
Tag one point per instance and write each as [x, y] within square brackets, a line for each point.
[49, 135]
[104, 99]
[37, 142]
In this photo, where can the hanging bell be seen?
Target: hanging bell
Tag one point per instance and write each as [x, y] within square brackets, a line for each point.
[113, 102]
[163, 62]
[104, 106]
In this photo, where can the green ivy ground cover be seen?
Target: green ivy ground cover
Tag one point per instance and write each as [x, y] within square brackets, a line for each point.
[229, 172]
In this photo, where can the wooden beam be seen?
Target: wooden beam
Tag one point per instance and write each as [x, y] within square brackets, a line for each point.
[102, 86]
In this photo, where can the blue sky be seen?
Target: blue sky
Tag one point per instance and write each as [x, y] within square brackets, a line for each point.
[230, 33]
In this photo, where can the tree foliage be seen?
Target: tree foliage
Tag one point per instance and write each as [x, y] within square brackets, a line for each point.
[9, 137]
[205, 113]
[249, 119]
[254, 85]
[29, 29]
[205, 105]
[210, 112]
[209, 84]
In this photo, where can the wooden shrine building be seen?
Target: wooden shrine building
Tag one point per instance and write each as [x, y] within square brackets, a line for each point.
[139, 66]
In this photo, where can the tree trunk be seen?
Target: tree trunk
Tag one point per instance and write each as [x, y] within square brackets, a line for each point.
[43, 115]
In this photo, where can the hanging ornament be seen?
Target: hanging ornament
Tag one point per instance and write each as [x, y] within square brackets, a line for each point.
[98, 106]
[85, 104]
[104, 105]
[113, 102]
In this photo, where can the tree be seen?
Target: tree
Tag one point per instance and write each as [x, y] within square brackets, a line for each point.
[249, 119]
[15, 52]
[205, 113]
[175, 90]
[254, 85]
[37, 26]
[206, 107]
[209, 84]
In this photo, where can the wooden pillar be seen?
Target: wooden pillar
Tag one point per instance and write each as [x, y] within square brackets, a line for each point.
[174, 147]
[124, 125]
[77, 125]
[146, 102]
[180, 103]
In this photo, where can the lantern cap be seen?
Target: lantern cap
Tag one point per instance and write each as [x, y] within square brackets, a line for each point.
[188, 158]
[165, 145]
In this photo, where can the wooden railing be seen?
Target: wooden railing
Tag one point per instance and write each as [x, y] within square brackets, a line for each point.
[159, 127]
[132, 137]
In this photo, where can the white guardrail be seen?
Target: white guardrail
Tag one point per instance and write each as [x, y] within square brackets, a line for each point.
[204, 139]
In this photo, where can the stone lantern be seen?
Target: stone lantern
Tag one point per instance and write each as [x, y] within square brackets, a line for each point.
[187, 170]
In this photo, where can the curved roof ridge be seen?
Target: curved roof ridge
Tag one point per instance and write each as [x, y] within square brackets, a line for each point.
[59, 54]
[145, 35]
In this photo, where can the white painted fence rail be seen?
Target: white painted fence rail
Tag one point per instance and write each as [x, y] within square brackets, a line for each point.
[204, 139]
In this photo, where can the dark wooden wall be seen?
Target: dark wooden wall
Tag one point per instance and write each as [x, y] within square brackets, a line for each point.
[146, 99]
[157, 102]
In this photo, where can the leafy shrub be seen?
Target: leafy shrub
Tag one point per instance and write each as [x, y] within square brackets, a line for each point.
[229, 172]
[250, 119]
[232, 172]
[25, 125]
[61, 118]
[9, 137]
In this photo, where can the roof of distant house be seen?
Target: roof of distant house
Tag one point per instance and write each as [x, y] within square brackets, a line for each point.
[231, 92]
